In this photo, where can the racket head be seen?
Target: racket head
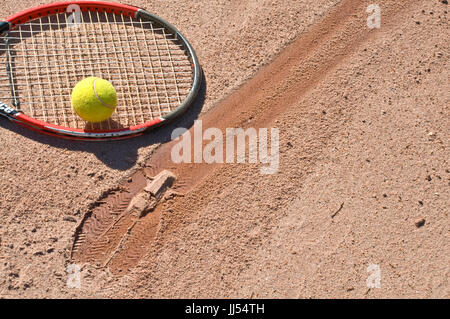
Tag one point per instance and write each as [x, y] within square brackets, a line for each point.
[48, 49]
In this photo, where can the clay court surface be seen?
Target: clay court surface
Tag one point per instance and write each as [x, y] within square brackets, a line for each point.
[363, 116]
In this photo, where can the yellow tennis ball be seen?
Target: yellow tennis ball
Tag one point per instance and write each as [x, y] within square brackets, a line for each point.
[94, 99]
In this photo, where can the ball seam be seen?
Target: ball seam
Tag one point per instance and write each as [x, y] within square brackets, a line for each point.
[99, 99]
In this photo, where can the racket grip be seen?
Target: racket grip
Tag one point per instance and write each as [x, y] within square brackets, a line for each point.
[4, 26]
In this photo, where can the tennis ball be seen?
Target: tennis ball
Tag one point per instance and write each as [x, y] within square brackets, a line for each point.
[94, 99]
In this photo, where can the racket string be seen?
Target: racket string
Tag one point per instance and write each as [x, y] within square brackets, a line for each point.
[118, 53]
[141, 61]
[146, 63]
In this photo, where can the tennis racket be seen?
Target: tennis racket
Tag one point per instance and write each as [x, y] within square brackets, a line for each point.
[47, 50]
